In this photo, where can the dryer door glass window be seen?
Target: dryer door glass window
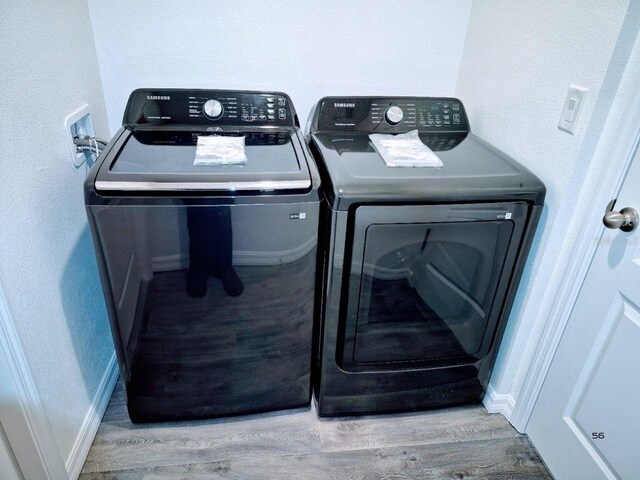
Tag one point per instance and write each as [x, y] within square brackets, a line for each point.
[427, 290]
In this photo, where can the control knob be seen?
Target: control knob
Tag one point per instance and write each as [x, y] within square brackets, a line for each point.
[393, 115]
[212, 109]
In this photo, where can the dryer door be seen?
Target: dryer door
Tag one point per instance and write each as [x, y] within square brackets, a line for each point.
[427, 283]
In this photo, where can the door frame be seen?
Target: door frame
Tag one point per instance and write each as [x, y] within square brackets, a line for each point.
[26, 426]
[626, 131]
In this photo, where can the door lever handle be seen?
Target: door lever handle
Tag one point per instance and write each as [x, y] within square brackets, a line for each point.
[626, 219]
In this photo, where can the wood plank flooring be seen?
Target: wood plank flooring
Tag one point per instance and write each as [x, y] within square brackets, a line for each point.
[457, 443]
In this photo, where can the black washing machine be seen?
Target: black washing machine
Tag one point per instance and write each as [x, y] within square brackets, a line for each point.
[420, 265]
[208, 269]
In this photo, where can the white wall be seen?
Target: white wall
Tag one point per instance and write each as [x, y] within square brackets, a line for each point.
[47, 267]
[518, 62]
[306, 49]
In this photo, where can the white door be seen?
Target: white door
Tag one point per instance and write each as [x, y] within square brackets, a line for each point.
[8, 464]
[586, 421]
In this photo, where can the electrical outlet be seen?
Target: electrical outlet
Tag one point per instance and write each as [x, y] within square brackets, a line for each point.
[572, 108]
[78, 124]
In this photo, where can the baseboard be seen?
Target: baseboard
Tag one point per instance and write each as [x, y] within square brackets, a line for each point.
[502, 403]
[92, 420]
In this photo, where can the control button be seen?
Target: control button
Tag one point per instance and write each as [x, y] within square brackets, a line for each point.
[446, 118]
[282, 102]
[270, 99]
[393, 115]
[282, 112]
[456, 118]
[445, 110]
[262, 117]
[271, 117]
[271, 111]
[455, 107]
[445, 105]
[212, 109]
[429, 123]
[254, 117]
[438, 123]
[447, 122]
[271, 105]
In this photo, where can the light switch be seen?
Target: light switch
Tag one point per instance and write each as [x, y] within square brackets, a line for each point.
[570, 111]
[572, 107]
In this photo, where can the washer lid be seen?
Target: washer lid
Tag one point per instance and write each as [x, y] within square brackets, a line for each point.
[163, 160]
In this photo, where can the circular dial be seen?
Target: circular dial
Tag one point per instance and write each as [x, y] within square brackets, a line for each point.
[212, 109]
[393, 115]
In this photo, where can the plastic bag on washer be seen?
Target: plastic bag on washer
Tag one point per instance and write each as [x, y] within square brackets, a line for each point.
[404, 150]
[220, 150]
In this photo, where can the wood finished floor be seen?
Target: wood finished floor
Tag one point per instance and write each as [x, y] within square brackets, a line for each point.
[456, 443]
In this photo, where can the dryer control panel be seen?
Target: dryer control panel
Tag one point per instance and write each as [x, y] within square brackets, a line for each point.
[181, 107]
[390, 115]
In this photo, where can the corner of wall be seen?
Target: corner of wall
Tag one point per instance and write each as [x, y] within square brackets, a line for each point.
[467, 22]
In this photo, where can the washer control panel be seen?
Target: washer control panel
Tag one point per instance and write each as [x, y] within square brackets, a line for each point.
[175, 107]
[390, 114]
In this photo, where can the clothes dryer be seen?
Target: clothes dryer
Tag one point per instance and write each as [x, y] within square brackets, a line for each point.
[421, 265]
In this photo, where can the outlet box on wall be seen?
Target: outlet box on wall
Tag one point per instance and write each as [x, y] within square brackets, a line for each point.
[78, 124]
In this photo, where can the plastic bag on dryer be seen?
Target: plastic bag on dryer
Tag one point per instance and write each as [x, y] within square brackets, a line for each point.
[404, 150]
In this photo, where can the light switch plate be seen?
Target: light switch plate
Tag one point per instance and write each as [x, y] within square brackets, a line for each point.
[572, 108]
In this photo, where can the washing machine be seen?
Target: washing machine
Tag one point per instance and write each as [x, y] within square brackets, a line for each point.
[208, 266]
[420, 265]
